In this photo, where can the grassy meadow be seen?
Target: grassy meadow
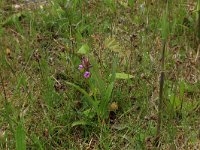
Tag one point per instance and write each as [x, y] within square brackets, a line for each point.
[100, 74]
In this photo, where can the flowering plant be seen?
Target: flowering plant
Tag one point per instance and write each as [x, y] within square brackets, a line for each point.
[85, 67]
[98, 93]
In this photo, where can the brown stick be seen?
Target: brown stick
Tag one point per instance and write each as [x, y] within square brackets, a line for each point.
[3, 86]
[198, 21]
[160, 95]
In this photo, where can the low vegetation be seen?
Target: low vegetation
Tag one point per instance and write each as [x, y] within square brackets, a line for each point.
[110, 74]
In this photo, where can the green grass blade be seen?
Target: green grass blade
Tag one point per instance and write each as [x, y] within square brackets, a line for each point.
[20, 137]
[106, 98]
[90, 100]
[165, 25]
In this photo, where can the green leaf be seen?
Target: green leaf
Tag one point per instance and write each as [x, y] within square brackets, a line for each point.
[104, 104]
[97, 80]
[20, 137]
[120, 127]
[80, 122]
[89, 113]
[113, 45]
[107, 96]
[84, 49]
[175, 101]
[123, 76]
[182, 88]
[109, 91]
[90, 100]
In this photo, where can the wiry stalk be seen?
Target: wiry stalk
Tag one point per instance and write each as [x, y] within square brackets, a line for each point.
[161, 93]
[198, 19]
[160, 104]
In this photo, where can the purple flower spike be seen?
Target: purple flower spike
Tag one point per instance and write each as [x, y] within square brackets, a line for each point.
[80, 67]
[87, 74]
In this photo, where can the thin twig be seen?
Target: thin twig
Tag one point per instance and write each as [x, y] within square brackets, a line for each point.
[161, 94]
[3, 86]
